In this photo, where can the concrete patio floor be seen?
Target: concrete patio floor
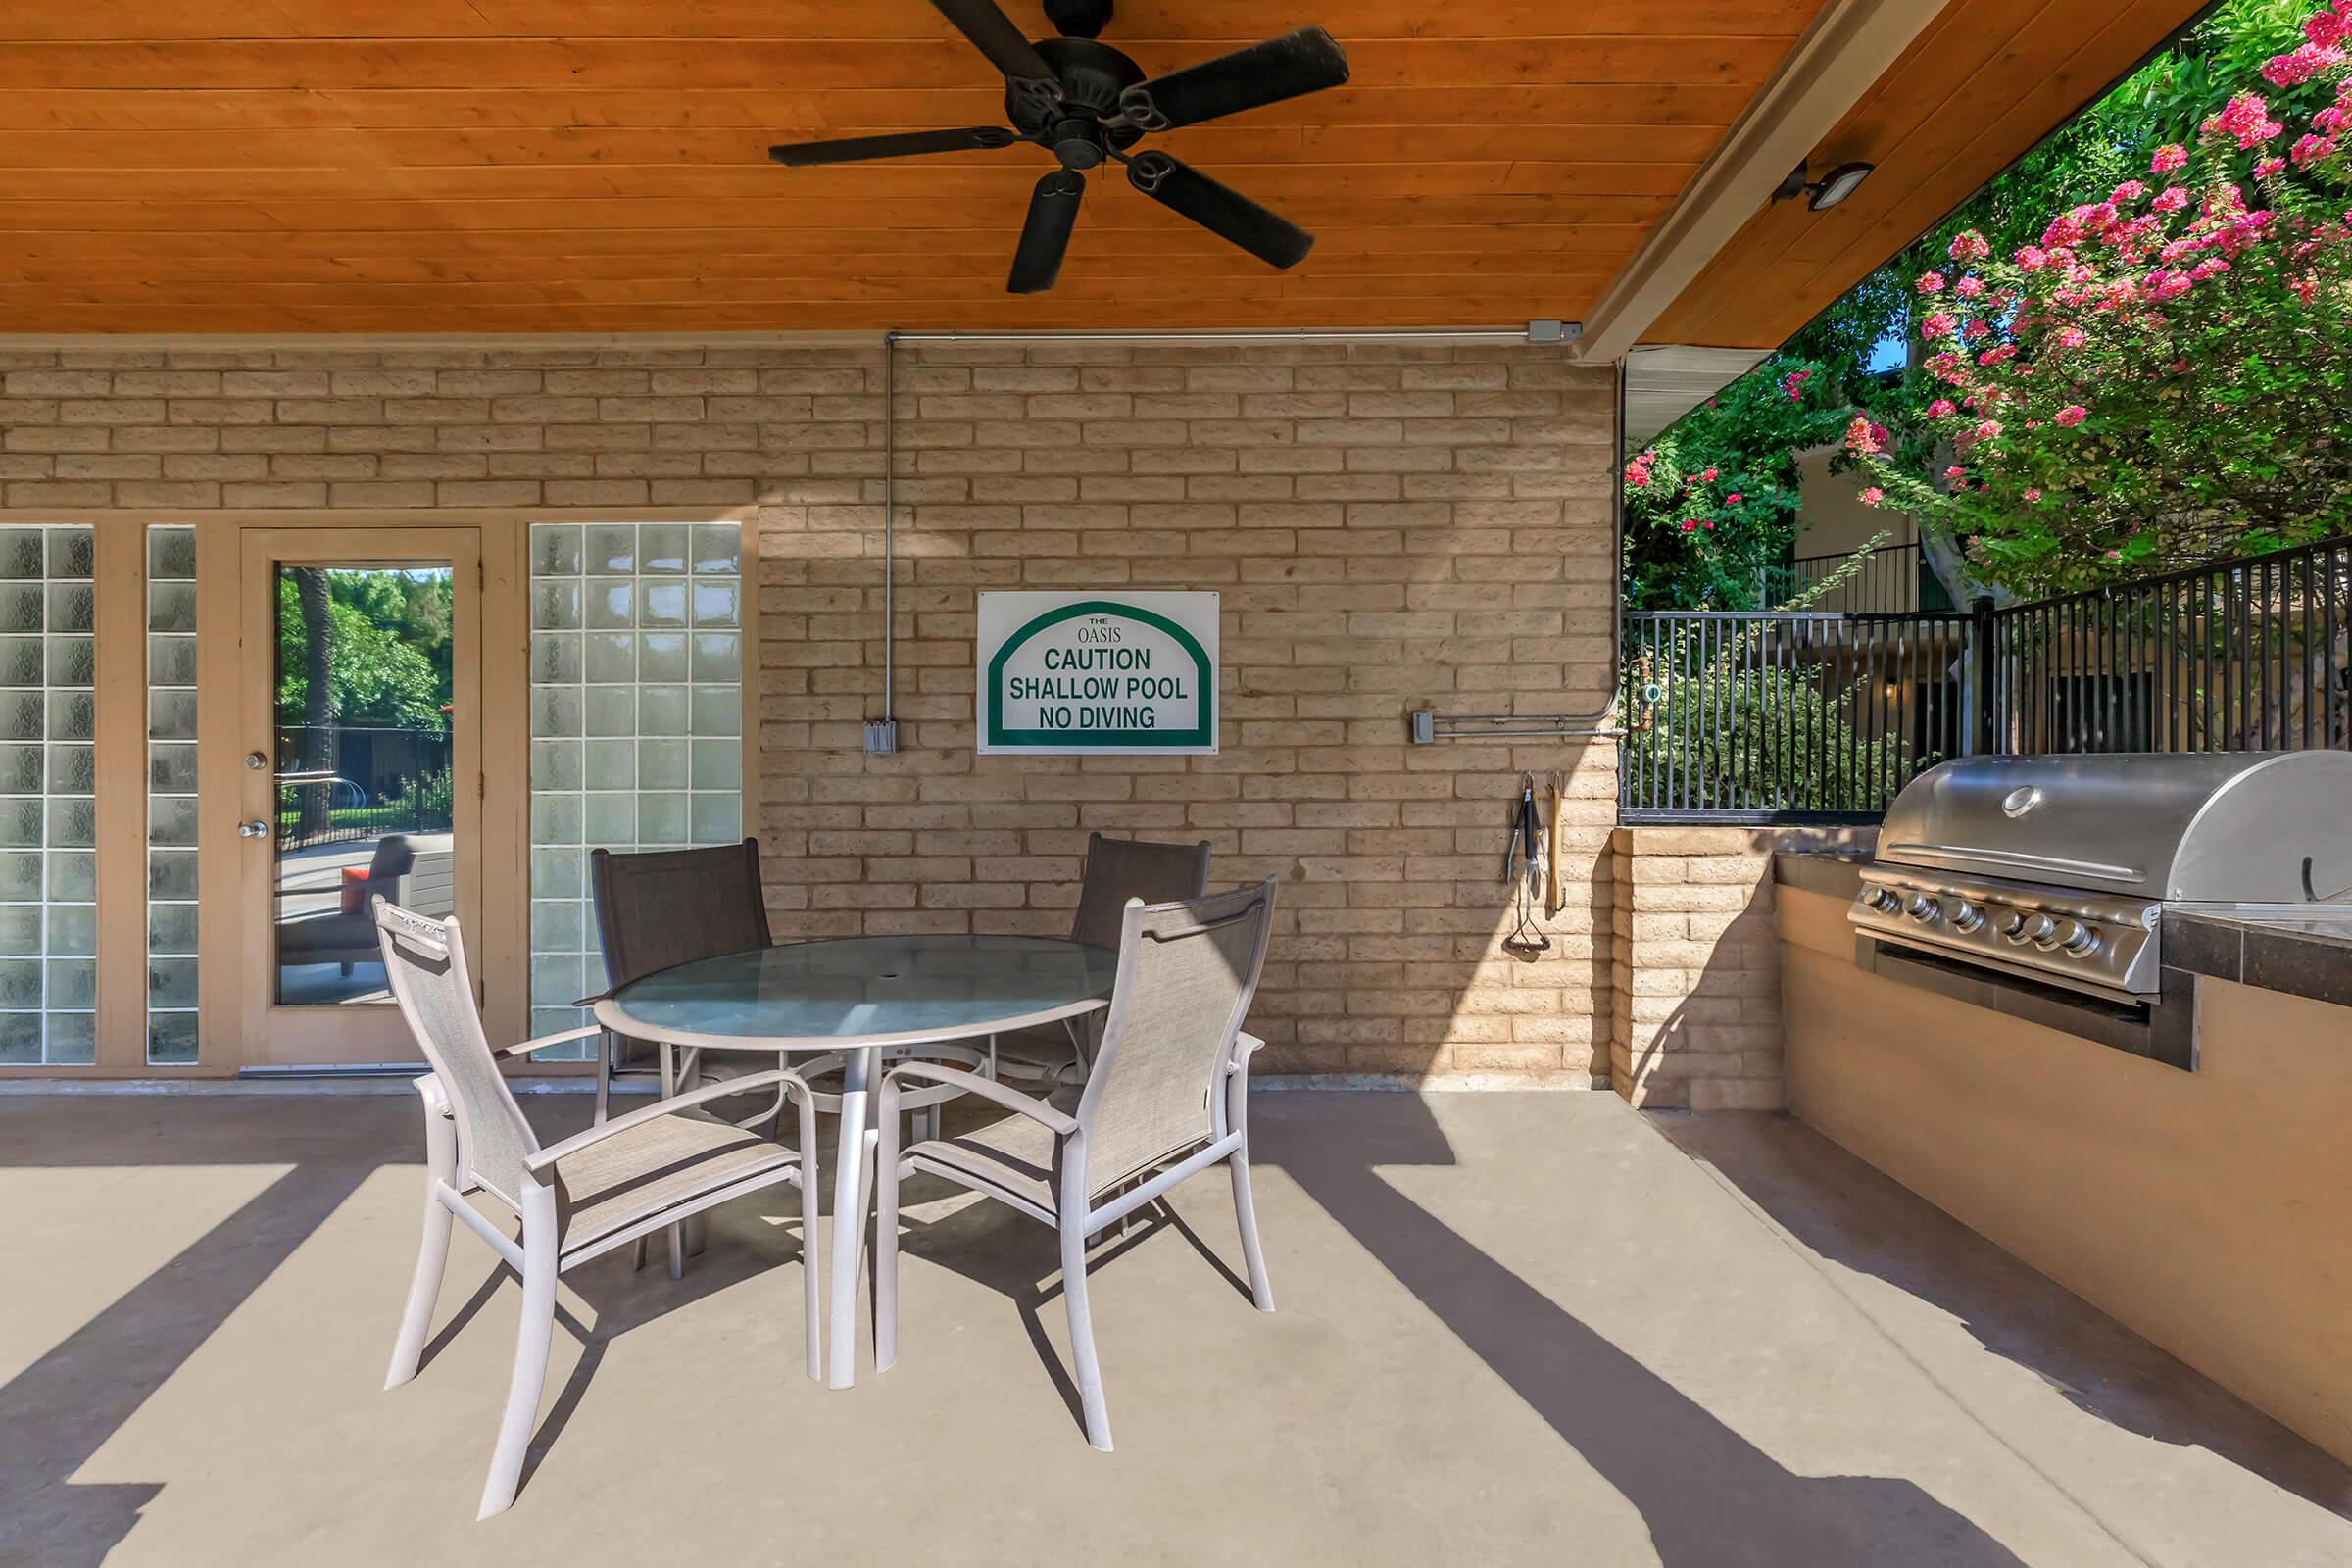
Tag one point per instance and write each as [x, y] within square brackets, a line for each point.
[1513, 1329]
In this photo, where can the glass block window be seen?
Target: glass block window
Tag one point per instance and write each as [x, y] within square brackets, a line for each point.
[48, 797]
[171, 795]
[636, 722]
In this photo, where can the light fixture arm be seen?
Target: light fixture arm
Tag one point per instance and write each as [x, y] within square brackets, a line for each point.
[1829, 190]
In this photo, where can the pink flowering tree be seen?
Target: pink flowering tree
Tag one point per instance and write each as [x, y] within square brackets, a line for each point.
[1712, 502]
[2165, 376]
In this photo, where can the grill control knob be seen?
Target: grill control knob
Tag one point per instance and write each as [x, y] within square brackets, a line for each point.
[2079, 939]
[1923, 908]
[1966, 916]
[2044, 932]
[1883, 900]
[2024, 926]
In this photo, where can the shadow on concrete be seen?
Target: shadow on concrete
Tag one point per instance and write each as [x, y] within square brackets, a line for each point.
[1853, 1215]
[1710, 1497]
[58, 1412]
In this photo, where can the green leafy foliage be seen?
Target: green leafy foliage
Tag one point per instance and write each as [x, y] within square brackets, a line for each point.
[1713, 501]
[389, 649]
[1739, 721]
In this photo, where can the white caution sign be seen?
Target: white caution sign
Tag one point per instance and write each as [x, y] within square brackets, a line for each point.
[1097, 673]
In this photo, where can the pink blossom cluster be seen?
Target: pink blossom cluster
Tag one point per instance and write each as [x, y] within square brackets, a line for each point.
[2324, 35]
[1793, 383]
[2309, 61]
[2247, 118]
[1864, 438]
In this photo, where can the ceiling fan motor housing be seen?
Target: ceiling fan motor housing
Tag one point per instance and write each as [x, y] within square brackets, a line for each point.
[1078, 19]
[1091, 76]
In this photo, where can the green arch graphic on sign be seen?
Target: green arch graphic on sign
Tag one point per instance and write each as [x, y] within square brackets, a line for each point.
[1201, 734]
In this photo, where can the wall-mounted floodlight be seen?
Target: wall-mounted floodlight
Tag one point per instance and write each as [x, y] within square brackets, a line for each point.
[1829, 190]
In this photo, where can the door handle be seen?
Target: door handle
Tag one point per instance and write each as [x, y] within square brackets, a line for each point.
[254, 829]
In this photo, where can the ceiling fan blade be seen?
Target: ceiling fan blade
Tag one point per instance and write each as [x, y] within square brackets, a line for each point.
[1221, 209]
[1301, 62]
[853, 149]
[993, 34]
[1052, 214]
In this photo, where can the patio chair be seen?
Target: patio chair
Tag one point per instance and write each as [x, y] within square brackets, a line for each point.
[1117, 870]
[660, 909]
[1168, 1098]
[577, 1199]
[344, 935]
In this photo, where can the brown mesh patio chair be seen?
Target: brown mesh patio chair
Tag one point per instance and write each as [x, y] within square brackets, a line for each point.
[1117, 870]
[1168, 1098]
[578, 1199]
[656, 909]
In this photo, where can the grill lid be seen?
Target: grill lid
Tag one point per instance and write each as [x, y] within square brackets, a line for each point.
[2243, 827]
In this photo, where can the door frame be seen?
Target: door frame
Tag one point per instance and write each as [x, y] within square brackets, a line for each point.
[276, 1034]
[503, 936]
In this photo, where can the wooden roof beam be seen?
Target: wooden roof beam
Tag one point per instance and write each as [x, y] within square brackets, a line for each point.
[1849, 46]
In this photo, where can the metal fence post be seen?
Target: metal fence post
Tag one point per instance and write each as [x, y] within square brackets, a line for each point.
[1980, 730]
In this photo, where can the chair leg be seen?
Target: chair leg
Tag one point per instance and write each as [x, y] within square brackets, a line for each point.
[604, 1077]
[1082, 1337]
[813, 1295]
[531, 1339]
[1245, 1208]
[432, 1250]
[885, 1234]
[1245, 1214]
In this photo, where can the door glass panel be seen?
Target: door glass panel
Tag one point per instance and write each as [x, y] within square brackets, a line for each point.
[363, 751]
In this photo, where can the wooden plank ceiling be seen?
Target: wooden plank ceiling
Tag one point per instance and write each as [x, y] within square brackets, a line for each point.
[434, 166]
[1982, 84]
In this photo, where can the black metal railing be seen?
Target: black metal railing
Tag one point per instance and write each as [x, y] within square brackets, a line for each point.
[1822, 716]
[2247, 654]
[1894, 580]
[340, 784]
[1787, 716]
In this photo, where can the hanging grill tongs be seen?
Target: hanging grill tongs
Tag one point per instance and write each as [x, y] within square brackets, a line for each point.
[1523, 864]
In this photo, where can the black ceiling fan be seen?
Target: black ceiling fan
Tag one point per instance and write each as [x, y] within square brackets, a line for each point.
[1084, 102]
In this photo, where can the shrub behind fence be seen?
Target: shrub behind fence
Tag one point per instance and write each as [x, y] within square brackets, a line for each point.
[1810, 717]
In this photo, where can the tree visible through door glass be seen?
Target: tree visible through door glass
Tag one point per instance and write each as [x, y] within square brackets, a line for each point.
[362, 703]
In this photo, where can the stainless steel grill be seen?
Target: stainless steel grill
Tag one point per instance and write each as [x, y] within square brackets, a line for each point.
[2057, 869]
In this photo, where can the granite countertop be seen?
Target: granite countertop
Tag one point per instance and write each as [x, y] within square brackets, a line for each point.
[1836, 872]
[2303, 956]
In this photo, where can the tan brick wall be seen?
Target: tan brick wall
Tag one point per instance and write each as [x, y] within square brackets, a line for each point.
[1695, 969]
[1696, 966]
[1389, 527]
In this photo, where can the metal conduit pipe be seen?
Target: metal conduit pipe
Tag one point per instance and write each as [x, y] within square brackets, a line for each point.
[882, 736]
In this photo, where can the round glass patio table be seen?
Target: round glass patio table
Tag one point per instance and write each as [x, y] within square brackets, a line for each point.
[860, 998]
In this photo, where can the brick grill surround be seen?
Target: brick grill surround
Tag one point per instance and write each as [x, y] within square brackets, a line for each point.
[1391, 527]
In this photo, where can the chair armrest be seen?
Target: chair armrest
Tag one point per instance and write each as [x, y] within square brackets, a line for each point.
[545, 1041]
[793, 1084]
[988, 1089]
[1245, 1046]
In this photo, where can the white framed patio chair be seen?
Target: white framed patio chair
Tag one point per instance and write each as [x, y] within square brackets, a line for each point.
[577, 1199]
[1167, 1098]
[1117, 870]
